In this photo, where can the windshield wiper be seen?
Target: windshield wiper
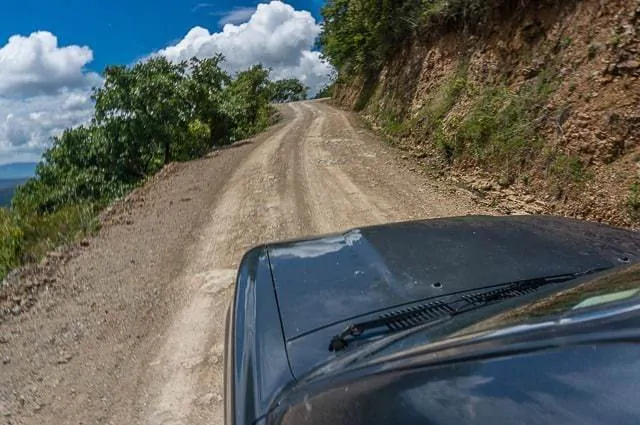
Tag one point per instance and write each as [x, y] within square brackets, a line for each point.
[410, 317]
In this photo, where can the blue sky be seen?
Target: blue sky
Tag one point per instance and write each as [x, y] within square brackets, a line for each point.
[121, 31]
[52, 53]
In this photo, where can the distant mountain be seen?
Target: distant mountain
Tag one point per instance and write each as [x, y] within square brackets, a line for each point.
[7, 188]
[17, 170]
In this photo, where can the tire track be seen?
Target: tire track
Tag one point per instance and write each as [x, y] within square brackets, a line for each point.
[186, 377]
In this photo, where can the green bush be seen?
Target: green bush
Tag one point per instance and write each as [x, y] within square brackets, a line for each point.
[11, 242]
[499, 128]
[633, 201]
[42, 233]
[502, 127]
[146, 115]
[359, 35]
[568, 168]
[431, 117]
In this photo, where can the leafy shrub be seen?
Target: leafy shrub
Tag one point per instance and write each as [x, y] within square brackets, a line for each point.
[41, 233]
[11, 242]
[567, 168]
[145, 116]
[287, 90]
[633, 201]
[359, 35]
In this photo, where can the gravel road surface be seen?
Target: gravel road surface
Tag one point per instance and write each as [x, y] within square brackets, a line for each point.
[132, 330]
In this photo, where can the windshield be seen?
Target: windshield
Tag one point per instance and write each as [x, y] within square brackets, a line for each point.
[550, 303]
[599, 292]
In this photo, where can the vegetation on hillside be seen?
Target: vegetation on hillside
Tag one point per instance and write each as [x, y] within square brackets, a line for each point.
[146, 116]
[359, 35]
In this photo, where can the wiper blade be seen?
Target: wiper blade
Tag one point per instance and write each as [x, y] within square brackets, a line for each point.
[417, 315]
[398, 320]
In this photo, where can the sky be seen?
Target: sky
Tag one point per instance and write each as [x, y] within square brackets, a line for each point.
[52, 53]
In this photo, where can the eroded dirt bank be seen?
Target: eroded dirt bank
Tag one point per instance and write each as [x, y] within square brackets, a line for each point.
[535, 106]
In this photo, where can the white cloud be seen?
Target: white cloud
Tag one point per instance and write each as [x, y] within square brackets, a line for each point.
[237, 15]
[43, 90]
[26, 125]
[36, 65]
[276, 35]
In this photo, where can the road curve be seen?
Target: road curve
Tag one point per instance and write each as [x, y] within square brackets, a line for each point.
[132, 332]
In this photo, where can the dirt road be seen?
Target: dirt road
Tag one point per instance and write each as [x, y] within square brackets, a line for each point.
[132, 330]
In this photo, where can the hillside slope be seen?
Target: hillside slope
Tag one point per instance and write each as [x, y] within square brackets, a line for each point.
[537, 107]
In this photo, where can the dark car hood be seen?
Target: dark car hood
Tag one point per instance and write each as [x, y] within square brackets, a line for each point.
[324, 283]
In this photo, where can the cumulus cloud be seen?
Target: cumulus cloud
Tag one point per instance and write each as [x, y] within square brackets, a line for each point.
[43, 90]
[276, 35]
[27, 125]
[36, 65]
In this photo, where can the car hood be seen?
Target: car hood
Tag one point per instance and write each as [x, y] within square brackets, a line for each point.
[322, 284]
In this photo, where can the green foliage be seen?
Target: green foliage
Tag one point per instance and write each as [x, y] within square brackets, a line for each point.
[502, 126]
[566, 42]
[246, 100]
[429, 121]
[43, 232]
[142, 110]
[615, 40]
[358, 34]
[499, 127]
[146, 115]
[567, 168]
[11, 241]
[288, 90]
[633, 201]
[206, 93]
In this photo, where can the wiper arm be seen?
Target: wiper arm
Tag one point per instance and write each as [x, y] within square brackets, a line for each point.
[411, 317]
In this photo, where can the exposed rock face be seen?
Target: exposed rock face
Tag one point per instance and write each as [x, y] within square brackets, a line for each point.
[589, 51]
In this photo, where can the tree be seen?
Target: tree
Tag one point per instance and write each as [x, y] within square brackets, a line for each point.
[288, 90]
[358, 35]
[146, 116]
[142, 110]
[205, 90]
[246, 101]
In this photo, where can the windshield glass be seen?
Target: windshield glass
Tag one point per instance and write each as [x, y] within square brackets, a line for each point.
[553, 302]
[598, 292]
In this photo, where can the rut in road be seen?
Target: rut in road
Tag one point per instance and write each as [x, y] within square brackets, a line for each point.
[317, 172]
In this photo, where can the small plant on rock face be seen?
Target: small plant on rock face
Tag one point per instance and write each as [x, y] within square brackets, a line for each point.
[615, 41]
[569, 169]
[633, 201]
[566, 42]
[593, 51]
